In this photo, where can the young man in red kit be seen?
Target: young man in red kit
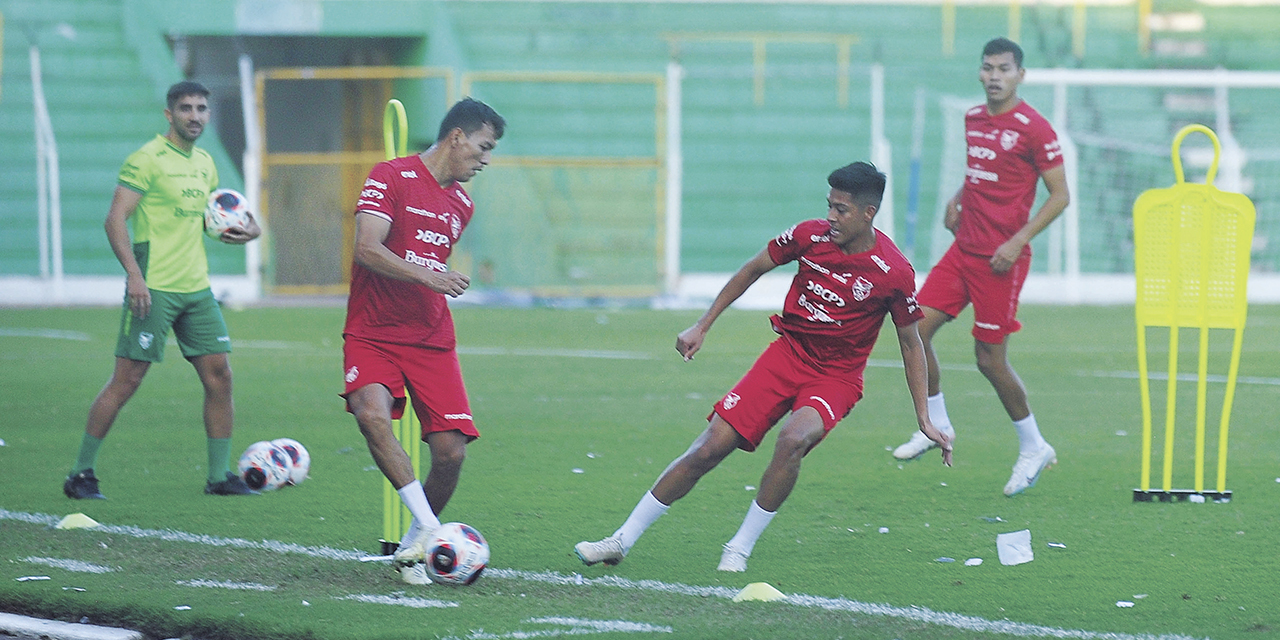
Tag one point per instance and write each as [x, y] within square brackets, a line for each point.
[399, 332]
[1010, 146]
[850, 277]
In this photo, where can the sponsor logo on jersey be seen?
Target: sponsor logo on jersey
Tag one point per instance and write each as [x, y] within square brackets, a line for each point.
[462, 196]
[352, 374]
[408, 174]
[421, 212]
[430, 237]
[428, 261]
[145, 339]
[815, 266]
[786, 237]
[861, 288]
[374, 183]
[1008, 138]
[455, 226]
[372, 193]
[1021, 118]
[731, 400]
[826, 294]
[884, 266]
[978, 174]
[816, 311]
[1052, 150]
[981, 153]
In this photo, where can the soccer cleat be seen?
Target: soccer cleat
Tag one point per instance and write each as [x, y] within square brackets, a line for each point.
[82, 486]
[414, 573]
[414, 552]
[1027, 469]
[232, 486]
[608, 551]
[919, 444]
[732, 560]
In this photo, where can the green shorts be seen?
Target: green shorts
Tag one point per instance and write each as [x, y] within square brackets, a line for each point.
[195, 319]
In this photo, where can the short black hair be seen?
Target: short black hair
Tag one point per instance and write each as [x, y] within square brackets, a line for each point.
[182, 89]
[998, 46]
[471, 115]
[861, 180]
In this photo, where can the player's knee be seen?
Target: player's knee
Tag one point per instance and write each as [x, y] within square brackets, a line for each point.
[448, 459]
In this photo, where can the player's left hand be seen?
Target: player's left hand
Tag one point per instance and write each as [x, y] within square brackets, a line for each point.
[1006, 255]
[689, 341]
[241, 235]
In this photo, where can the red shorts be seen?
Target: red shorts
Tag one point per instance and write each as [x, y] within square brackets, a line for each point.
[779, 382]
[960, 278]
[433, 378]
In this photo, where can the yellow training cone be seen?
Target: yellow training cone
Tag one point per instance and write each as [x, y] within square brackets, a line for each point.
[762, 591]
[77, 521]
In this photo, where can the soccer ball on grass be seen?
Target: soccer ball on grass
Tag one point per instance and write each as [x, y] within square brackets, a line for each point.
[456, 554]
[264, 466]
[298, 454]
[227, 208]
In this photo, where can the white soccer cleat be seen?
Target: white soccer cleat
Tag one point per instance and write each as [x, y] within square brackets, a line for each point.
[919, 444]
[1027, 469]
[415, 573]
[608, 551]
[732, 560]
[415, 551]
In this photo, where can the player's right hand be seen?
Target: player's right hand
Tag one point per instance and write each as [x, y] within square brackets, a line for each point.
[951, 216]
[943, 440]
[689, 341]
[135, 289]
[450, 283]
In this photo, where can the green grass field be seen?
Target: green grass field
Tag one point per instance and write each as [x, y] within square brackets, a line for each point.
[580, 410]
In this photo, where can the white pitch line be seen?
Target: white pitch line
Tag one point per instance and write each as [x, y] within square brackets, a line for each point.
[57, 334]
[577, 627]
[401, 601]
[68, 565]
[919, 614]
[223, 584]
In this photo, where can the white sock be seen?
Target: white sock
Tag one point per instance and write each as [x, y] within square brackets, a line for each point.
[1029, 438]
[938, 414]
[647, 511]
[416, 500]
[752, 526]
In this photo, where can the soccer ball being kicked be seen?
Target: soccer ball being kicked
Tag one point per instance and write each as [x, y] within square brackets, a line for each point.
[456, 554]
[264, 466]
[227, 208]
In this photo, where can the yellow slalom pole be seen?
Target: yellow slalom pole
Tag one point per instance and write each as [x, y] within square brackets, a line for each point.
[1144, 391]
[395, 516]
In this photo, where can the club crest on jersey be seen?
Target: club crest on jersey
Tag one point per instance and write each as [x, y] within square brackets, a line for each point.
[861, 289]
[1008, 139]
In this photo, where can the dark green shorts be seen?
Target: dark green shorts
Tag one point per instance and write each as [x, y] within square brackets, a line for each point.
[195, 319]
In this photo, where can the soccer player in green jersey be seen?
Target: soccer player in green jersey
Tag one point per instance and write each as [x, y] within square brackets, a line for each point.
[161, 196]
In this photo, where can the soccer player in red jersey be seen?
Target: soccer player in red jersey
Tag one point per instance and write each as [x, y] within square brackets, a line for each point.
[1010, 146]
[399, 332]
[850, 277]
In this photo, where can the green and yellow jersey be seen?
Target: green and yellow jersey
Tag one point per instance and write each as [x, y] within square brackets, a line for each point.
[168, 225]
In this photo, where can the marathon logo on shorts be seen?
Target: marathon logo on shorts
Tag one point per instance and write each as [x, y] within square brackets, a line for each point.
[457, 416]
[145, 339]
[226, 339]
[986, 325]
[731, 400]
[352, 374]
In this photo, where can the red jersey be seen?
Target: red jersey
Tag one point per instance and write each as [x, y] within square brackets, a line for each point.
[837, 302]
[426, 221]
[1007, 154]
